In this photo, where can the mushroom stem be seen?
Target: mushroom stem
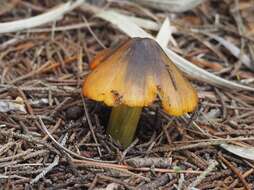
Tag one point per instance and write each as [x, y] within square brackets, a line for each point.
[123, 123]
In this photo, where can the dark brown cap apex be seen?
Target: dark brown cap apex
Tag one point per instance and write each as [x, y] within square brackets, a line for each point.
[135, 73]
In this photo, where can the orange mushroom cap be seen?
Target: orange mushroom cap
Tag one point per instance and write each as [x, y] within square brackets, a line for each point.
[134, 74]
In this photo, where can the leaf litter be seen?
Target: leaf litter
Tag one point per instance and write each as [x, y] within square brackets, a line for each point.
[50, 138]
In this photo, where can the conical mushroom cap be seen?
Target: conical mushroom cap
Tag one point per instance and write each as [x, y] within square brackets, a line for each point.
[134, 74]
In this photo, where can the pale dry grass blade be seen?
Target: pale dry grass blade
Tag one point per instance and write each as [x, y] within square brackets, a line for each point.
[170, 5]
[164, 34]
[50, 16]
[145, 23]
[123, 23]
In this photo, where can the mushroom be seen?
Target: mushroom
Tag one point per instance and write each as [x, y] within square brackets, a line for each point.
[131, 77]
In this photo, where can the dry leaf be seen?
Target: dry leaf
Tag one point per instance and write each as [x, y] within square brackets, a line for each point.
[244, 152]
[10, 105]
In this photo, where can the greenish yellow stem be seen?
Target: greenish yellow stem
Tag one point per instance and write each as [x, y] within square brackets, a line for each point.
[123, 123]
